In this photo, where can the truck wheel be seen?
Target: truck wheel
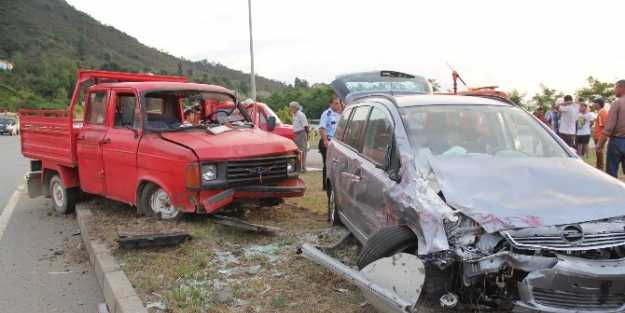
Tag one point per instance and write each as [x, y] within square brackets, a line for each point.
[63, 199]
[156, 202]
[333, 209]
[387, 242]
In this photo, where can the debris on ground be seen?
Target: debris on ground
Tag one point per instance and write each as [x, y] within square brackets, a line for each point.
[129, 241]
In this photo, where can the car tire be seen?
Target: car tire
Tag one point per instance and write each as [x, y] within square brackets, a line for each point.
[333, 209]
[63, 199]
[155, 201]
[387, 242]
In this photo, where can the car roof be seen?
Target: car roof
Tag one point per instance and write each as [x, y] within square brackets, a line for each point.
[415, 100]
[149, 86]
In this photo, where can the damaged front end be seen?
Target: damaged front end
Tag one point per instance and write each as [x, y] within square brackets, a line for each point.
[568, 268]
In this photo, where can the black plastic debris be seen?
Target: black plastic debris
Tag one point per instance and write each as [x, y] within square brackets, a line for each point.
[134, 241]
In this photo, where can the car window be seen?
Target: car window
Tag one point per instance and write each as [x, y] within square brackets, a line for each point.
[451, 130]
[125, 106]
[96, 108]
[340, 127]
[378, 136]
[356, 127]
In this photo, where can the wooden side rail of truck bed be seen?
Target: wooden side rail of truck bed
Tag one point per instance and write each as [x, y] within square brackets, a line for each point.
[47, 134]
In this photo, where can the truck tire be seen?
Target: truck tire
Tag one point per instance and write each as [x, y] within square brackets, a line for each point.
[155, 201]
[333, 209]
[387, 242]
[63, 199]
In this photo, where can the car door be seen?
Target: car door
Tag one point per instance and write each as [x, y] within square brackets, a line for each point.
[89, 142]
[374, 180]
[348, 168]
[119, 146]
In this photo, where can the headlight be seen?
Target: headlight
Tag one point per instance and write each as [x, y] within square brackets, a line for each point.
[291, 166]
[209, 172]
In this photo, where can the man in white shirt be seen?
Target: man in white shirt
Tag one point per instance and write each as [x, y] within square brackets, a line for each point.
[584, 121]
[300, 130]
[569, 111]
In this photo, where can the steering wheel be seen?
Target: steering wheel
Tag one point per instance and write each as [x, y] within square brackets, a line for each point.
[214, 113]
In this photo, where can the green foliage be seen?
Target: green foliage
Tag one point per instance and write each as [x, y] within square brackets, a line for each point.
[518, 98]
[546, 97]
[285, 115]
[314, 100]
[596, 88]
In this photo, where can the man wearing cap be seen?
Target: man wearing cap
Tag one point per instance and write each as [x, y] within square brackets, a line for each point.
[615, 131]
[327, 125]
[300, 130]
[602, 118]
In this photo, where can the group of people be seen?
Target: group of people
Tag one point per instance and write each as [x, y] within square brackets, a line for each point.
[576, 123]
[327, 125]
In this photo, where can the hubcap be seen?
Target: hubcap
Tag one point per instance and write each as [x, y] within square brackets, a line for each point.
[58, 194]
[160, 204]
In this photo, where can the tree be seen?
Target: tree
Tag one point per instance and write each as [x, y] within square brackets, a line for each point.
[435, 85]
[179, 68]
[596, 88]
[546, 97]
[300, 83]
[82, 48]
[518, 98]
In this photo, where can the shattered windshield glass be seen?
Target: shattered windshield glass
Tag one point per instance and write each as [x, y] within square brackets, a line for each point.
[473, 130]
[185, 109]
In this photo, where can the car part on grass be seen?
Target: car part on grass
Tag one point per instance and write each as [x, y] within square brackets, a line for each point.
[244, 225]
[133, 241]
[391, 285]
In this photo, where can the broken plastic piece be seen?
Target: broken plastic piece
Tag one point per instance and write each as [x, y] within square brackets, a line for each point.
[243, 225]
[128, 241]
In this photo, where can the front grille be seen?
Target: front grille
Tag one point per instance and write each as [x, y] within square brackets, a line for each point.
[578, 301]
[257, 171]
[557, 242]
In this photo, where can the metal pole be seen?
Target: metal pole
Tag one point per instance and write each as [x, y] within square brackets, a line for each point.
[252, 76]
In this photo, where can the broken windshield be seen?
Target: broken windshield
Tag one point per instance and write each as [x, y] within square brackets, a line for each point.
[466, 130]
[165, 110]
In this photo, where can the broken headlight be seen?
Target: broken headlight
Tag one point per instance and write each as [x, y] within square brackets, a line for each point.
[209, 172]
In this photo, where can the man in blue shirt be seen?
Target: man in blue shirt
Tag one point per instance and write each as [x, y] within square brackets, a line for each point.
[327, 125]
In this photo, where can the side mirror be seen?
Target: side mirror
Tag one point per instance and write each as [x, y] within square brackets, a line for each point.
[271, 123]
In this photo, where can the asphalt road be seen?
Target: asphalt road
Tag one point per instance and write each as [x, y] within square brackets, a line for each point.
[43, 266]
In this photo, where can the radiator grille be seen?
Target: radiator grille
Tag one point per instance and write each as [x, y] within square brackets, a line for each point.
[578, 301]
[257, 170]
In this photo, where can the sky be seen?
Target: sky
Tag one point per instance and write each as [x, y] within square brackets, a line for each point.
[512, 44]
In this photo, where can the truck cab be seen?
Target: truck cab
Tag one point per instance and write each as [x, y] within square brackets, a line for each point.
[133, 146]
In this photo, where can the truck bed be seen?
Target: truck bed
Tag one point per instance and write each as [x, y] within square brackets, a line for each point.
[48, 135]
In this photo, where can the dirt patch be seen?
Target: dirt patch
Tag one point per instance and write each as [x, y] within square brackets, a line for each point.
[226, 270]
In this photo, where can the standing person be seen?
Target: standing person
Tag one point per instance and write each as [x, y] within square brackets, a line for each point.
[569, 112]
[300, 130]
[540, 114]
[615, 131]
[327, 125]
[602, 118]
[583, 129]
[552, 117]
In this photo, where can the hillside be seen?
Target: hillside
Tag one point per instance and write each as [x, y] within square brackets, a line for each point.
[48, 39]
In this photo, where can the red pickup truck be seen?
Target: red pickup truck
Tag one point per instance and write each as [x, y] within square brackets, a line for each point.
[133, 146]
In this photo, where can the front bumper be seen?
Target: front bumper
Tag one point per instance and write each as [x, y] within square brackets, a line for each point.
[574, 285]
[211, 201]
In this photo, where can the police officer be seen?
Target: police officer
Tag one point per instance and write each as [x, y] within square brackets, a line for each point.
[327, 126]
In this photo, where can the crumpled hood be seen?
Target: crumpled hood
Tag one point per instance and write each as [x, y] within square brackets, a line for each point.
[503, 193]
[235, 144]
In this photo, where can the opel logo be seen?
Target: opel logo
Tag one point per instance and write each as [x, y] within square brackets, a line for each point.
[572, 233]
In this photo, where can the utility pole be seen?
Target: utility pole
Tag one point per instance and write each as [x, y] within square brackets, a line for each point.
[252, 76]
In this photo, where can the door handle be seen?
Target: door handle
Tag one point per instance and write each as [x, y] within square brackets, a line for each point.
[105, 141]
[80, 137]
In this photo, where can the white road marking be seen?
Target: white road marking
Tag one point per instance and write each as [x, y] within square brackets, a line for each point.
[8, 210]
